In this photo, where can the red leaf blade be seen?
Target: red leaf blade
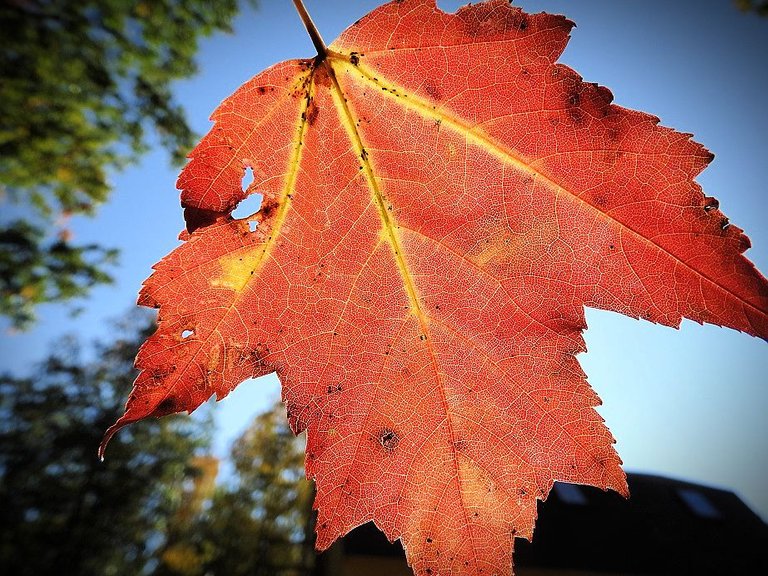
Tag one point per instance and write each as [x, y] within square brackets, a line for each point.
[441, 200]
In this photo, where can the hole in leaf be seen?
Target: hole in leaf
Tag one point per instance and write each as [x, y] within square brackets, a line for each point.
[248, 206]
[187, 333]
[247, 177]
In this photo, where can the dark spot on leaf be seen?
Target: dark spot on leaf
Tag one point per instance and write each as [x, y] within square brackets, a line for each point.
[711, 203]
[429, 540]
[432, 90]
[389, 439]
[486, 20]
[312, 111]
[724, 223]
[354, 58]
[268, 208]
[167, 406]
[261, 89]
[574, 111]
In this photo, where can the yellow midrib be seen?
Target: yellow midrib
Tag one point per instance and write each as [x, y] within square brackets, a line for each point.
[497, 149]
[240, 266]
[389, 227]
[390, 230]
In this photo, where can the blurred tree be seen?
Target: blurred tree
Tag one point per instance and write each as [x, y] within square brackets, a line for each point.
[259, 522]
[760, 7]
[81, 82]
[64, 512]
[35, 270]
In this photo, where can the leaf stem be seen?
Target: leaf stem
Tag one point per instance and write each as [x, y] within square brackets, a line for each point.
[317, 40]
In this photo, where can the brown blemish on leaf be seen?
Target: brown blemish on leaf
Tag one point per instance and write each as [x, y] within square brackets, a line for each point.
[268, 209]
[432, 90]
[312, 111]
[388, 439]
[159, 374]
[321, 76]
[167, 406]
[573, 101]
[484, 20]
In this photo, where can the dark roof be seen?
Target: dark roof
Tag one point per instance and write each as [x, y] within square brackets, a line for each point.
[666, 527]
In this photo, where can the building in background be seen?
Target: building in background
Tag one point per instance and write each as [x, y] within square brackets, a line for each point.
[666, 527]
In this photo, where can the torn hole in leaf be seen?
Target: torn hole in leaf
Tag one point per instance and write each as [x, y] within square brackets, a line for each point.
[187, 333]
[247, 209]
[248, 177]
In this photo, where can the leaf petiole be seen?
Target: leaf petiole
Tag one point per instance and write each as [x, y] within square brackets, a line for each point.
[317, 40]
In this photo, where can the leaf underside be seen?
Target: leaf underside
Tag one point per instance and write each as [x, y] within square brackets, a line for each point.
[441, 199]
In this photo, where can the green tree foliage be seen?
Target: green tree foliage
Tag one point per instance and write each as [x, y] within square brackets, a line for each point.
[63, 511]
[35, 270]
[82, 80]
[256, 524]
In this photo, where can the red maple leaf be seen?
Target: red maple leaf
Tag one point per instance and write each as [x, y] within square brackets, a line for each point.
[441, 199]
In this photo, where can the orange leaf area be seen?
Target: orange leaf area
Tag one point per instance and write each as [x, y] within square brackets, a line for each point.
[441, 199]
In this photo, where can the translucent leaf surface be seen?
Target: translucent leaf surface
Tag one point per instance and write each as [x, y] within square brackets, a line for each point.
[441, 199]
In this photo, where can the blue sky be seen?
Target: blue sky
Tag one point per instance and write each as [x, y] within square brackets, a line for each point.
[692, 403]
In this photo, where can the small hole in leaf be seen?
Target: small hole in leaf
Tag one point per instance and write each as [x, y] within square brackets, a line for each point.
[247, 177]
[248, 206]
[253, 225]
[187, 333]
